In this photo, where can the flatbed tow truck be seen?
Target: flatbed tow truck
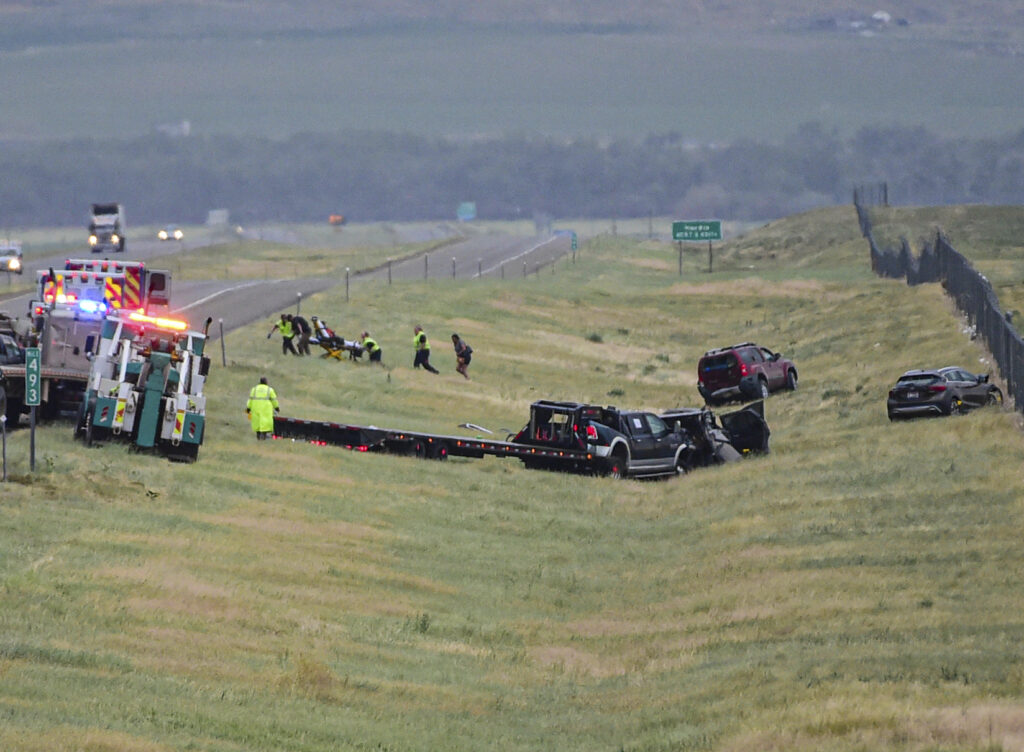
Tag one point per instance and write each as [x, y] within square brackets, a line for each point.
[563, 436]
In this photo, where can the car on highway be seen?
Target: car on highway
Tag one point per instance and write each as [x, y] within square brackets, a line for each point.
[745, 371]
[11, 258]
[171, 232]
[942, 391]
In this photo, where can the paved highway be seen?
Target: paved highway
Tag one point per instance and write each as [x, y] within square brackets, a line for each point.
[241, 302]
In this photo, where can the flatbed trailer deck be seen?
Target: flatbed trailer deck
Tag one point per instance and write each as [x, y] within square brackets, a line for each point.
[431, 446]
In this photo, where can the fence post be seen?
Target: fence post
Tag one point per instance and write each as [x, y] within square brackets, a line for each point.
[389, 272]
[479, 267]
[453, 267]
[223, 347]
[346, 284]
[426, 257]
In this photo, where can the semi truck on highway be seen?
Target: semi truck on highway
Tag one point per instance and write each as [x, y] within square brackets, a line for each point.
[107, 228]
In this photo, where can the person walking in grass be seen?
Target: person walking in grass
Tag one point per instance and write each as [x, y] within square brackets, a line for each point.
[284, 325]
[260, 408]
[302, 330]
[463, 354]
[422, 345]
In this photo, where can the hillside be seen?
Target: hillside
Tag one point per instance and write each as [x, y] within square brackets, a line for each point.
[852, 590]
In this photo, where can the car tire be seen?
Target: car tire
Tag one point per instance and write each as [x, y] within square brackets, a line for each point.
[791, 380]
[762, 385]
[956, 407]
[995, 397]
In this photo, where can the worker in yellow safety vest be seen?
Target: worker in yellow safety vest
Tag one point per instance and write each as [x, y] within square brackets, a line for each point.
[261, 407]
[284, 325]
[371, 346]
[422, 345]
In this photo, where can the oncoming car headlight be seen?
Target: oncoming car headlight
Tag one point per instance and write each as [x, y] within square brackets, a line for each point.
[93, 240]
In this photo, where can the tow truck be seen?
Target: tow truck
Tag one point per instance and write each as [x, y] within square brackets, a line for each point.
[564, 436]
[146, 386]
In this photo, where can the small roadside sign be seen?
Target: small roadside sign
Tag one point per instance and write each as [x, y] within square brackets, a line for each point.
[697, 230]
[33, 381]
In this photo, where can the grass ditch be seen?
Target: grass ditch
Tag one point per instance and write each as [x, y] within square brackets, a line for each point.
[851, 590]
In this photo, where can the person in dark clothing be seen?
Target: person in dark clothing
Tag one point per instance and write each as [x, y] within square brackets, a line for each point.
[303, 331]
[284, 325]
[422, 345]
[463, 354]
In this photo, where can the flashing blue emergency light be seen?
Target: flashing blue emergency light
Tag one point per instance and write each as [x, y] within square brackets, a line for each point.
[92, 306]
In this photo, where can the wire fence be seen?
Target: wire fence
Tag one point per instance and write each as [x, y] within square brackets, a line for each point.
[939, 262]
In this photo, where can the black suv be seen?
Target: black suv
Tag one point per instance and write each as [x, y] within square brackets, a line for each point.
[743, 371]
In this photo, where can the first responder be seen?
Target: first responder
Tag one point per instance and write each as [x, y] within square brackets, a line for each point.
[370, 345]
[422, 345]
[260, 408]
[302, 330]
[284, 325]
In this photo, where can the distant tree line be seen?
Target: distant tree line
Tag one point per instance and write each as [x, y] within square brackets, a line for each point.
[370, 176]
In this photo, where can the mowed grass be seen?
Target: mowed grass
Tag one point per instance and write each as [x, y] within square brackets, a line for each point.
[855, 589]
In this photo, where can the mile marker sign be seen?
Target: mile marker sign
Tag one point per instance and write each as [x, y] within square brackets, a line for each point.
[697, 230]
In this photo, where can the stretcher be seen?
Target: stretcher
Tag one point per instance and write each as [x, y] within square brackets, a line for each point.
[333, 345]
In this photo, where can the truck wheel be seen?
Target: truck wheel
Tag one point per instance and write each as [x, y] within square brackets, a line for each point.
[439, 451]
[762, 385]
[791, 380]
[617, 466]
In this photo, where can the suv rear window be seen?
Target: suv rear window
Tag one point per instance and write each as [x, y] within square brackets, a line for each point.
[722, 362]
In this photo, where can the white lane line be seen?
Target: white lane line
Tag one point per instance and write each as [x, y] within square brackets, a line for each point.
[490, 269]
[211, 296]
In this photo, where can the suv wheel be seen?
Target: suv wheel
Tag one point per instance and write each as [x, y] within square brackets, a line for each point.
[791, 380]
[763, 386]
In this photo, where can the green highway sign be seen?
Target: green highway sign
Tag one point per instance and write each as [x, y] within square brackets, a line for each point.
[33, 382]
[701, 229]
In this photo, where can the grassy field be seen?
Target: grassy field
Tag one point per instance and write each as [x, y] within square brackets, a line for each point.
[855, 589]
[467, 83]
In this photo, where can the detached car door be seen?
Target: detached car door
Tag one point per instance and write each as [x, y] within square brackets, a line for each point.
[747, 429]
